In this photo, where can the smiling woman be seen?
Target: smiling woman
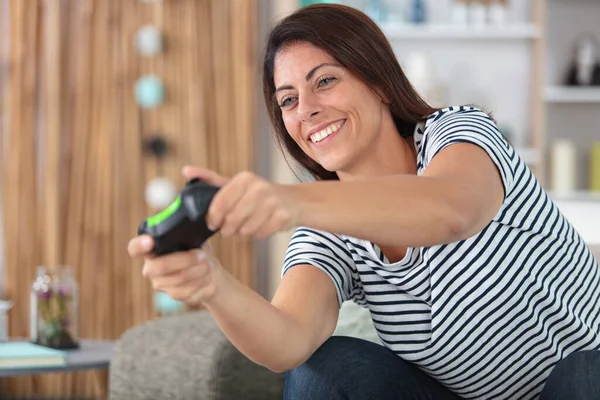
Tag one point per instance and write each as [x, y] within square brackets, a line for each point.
[476, 284]
[363, 68]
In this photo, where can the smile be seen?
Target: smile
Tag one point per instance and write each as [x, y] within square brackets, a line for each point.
[323, 133]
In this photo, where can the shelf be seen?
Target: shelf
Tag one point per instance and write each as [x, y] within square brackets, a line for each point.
[440, 31]
[529, 155]
[568, 94]
[576, 196]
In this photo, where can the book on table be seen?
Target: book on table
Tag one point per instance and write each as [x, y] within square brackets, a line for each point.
[29, 355]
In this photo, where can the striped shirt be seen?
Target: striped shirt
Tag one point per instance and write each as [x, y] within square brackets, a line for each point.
[487, 316]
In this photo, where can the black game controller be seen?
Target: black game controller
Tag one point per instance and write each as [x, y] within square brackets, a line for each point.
[182, 225]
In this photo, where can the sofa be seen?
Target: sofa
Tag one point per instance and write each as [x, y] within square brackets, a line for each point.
[187, 357]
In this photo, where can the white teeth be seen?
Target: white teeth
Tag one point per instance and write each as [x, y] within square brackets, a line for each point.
[322, 134]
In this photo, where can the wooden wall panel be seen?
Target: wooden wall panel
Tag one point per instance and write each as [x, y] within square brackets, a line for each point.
[74, 175]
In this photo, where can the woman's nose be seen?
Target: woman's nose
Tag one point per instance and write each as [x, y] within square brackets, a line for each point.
[308, 108]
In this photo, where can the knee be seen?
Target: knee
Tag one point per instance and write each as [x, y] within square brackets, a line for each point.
[574, 378]
[316, 378]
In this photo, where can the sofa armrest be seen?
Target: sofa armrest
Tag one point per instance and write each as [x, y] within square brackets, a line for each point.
[186, 357]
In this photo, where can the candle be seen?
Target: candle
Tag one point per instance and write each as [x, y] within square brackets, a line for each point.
[595, 167]
[563, 168]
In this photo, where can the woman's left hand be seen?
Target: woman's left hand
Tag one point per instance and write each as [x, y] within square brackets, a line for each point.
[248, 205]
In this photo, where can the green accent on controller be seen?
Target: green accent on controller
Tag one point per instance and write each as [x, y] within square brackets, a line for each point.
[164, 214]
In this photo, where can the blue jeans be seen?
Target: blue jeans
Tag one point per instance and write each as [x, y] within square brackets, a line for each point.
[345, 368]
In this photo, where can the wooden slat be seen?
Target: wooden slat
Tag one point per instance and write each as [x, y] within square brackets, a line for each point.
[78, 199]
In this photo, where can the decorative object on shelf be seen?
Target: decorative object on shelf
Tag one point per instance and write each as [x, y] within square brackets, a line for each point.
[149, 40]
[395, 12]
[460, 12]
[419, 71]
[478, 11]
[5, 306]
[374, 10]
[165, 305]
[54, 308]
[304, 3]
[497, 12]
[595, 167]
[160, 191]
[584, 69]
[418, 12]
[149, 91]
[563, 166]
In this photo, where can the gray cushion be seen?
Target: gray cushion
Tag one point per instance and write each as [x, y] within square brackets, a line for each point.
[186, 357]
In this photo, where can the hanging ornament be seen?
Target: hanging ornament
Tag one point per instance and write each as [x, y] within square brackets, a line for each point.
[160, 191]
[164, 304]
[149, 91]
[149, 40]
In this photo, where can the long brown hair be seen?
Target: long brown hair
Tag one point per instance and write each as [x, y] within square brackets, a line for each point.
[357, 43]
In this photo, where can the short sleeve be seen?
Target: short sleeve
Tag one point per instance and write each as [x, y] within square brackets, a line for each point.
[325, 251]
[472, 125]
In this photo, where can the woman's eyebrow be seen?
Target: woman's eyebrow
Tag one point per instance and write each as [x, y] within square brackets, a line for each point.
[308, 75]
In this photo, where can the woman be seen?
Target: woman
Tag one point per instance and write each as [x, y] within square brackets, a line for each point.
[476, 284]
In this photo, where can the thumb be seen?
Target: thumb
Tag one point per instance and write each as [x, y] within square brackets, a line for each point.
[204, 174]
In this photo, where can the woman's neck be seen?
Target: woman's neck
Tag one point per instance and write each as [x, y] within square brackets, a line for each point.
[390, 155]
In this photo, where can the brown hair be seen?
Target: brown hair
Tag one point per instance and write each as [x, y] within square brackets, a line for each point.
[358, 44]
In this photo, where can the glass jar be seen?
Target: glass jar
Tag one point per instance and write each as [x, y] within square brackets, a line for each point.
[5, 306]
[54, 308]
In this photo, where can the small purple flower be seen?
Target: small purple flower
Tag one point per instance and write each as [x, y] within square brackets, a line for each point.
[44, 295]
[64, 291]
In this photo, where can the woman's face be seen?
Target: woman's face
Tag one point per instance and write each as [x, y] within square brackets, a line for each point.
[332, 115]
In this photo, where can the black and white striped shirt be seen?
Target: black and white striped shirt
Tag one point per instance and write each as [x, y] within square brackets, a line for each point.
[487, 316]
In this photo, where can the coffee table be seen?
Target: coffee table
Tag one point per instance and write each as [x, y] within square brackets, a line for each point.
[92, 354]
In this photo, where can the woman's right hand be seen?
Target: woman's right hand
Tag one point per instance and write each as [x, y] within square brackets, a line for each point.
[187, 276]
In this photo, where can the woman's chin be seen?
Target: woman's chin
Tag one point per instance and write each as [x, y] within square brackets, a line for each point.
[331, 165]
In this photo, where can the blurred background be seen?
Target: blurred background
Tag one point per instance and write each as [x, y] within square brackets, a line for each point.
[103, 101]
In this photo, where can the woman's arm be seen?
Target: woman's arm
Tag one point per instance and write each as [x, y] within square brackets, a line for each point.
[457, 196]
[282, 334]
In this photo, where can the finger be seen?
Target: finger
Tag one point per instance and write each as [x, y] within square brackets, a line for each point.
[204, 174]
[224, 201]
[253, 210]
[250, 202]
[253, 224]
[278, 221]
[182, 277]
[171, 263]
[140, 245]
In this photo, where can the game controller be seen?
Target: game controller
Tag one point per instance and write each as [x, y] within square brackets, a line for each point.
[182, 225]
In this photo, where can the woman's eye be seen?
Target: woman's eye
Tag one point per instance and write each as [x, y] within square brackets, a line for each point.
[325, 81]
[286, 102]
